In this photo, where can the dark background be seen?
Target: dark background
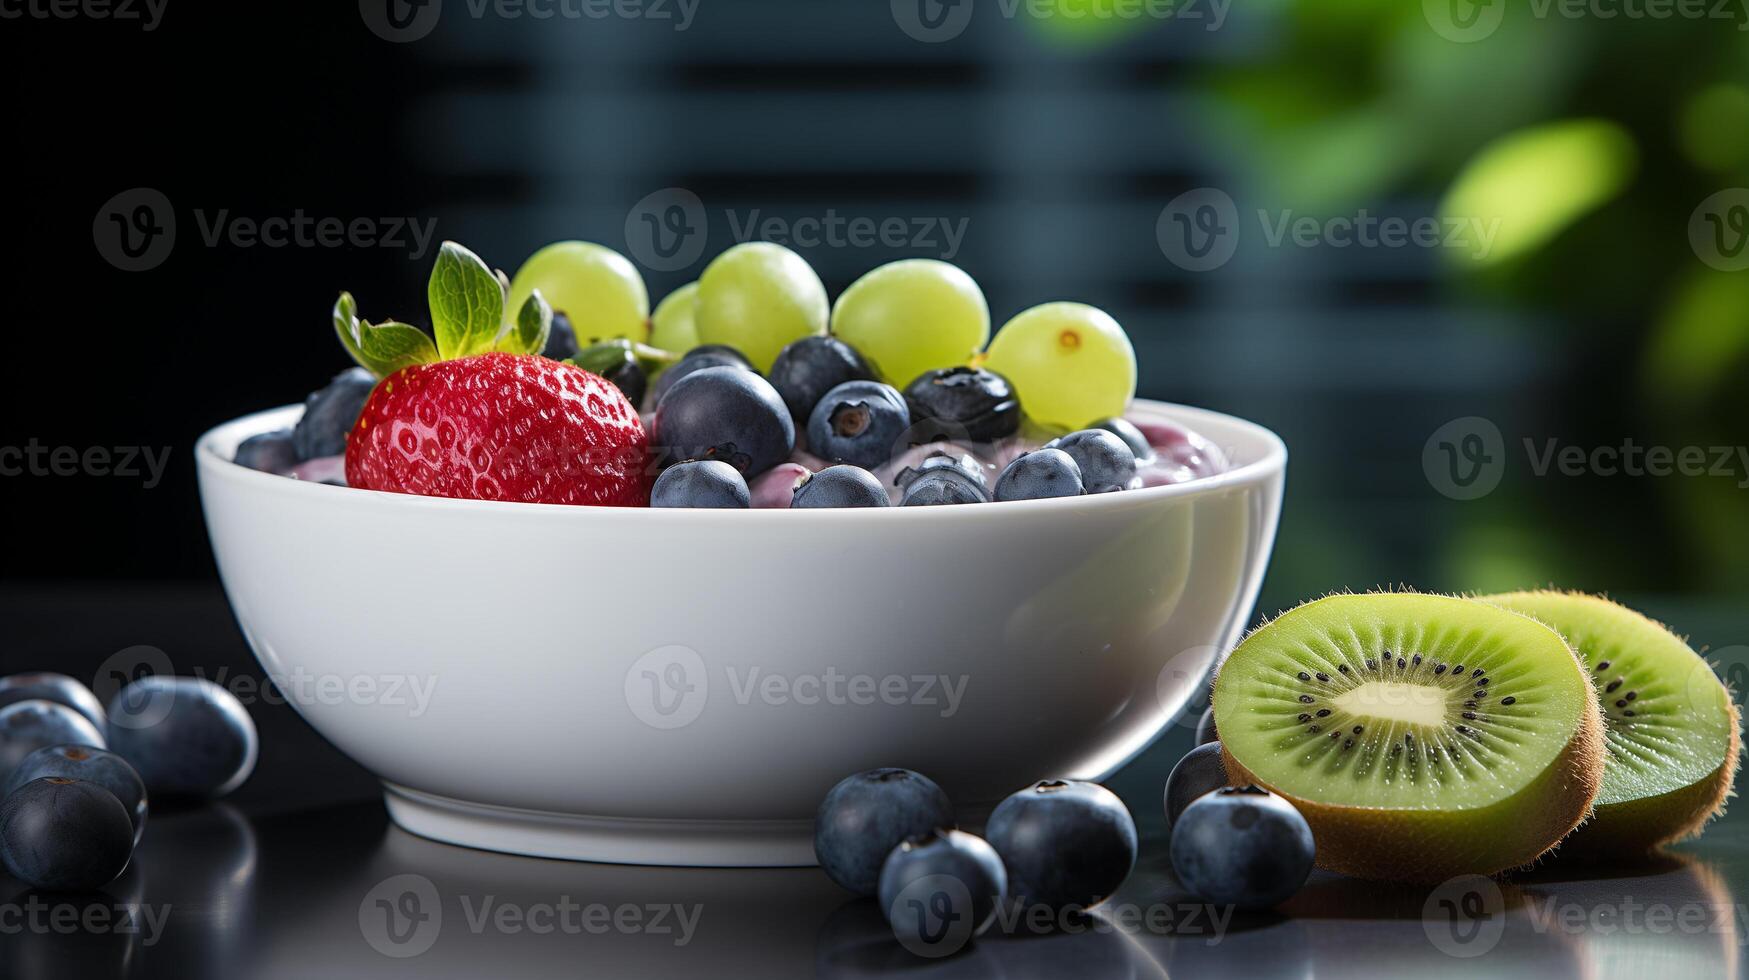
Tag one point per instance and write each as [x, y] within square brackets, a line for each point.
[1058, 142]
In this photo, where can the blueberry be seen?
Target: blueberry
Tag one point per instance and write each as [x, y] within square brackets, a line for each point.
[1242, 846]
[616, 361]
[331, 413]
[269, 452]
[725, 413]
[562, 339]
[1132, 437]
[697, 359]
[1199, 773]
[1205, 727]
[866, 815]
[961, 465]
[187, 737]
[807, 369]
[942, 485]
[52, 687]
[65, 835]
[630, 379]
[1040, 474]
[701, 483]
[858, 422]
[963, 403]
[941, 889]
[1106, 462]
[95, 766]
[841, 486]
[1067, 844]
[26, 726]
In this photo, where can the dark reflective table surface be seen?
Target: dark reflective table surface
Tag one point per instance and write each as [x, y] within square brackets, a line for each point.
[338, 891]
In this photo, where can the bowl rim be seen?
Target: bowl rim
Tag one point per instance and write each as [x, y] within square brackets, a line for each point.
[213, 461]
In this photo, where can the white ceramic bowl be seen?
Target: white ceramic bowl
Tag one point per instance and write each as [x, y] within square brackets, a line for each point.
[683, 686]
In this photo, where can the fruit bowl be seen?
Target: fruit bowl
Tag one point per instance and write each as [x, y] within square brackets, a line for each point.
[683, 686]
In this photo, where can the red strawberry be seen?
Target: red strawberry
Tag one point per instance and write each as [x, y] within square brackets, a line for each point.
[501, 427]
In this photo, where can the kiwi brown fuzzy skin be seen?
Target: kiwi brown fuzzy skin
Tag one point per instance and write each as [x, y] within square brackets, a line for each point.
[1390, 844]
[1404, 845]
[1636, 828]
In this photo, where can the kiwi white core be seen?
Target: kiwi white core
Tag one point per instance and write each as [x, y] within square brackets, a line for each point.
[1411, 704]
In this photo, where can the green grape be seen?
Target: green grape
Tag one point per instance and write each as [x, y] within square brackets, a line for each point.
[913, 316]
[1071, 364]
[598, 289]
[757, 298]
[673, 326]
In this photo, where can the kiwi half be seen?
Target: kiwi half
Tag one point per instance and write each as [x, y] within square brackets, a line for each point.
[1421, 736]
[1671, 729]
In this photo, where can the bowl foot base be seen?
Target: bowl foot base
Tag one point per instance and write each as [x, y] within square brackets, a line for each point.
[610, 840]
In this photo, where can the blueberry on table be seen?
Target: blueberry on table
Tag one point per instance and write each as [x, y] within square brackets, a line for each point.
[269, 452]
[940, 890]
[725, 413]
[64, 835]
[331, 413]
[1106, 463]
[1067, 844]
[87, 764]
[186, 736]
[858, 422]
[1242, 846]
[697, 359]
[26, 726]
[866, 815]
[52, 687]
[840, 486]
[963, 403]
[562, 339]
[807, 369]
[1040, 474]
[1196, 775]
[701, 483]
[1132, 437]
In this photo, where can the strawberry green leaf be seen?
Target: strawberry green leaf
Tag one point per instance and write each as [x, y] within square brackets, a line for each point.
[534, 323]
[384, 348]
[467, 303]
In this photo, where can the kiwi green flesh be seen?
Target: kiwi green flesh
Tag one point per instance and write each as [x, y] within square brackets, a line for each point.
[1667, 717]
[1400, 701]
